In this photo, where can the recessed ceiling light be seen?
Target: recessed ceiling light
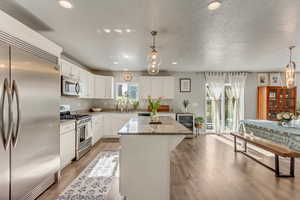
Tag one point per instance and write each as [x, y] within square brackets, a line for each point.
[214, 5]
[118, 30]
[116, 62]
[174, 63]
[106, 30]
[126, 56]
[65, 4]
[128, 30]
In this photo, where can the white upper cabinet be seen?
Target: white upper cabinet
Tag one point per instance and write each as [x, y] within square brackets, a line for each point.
[69, 69]
[99, 87]
[84, 84]
[157, 86]
[168, 87]
[91, 85]
[145, 87]
[109, 87]
[66, 68]
[103, 87]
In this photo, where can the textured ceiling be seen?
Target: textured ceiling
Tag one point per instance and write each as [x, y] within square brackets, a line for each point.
[242, 35]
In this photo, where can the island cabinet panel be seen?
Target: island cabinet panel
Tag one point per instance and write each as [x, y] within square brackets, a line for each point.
[272, 100]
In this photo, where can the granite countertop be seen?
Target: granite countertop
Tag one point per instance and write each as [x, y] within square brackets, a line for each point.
[140, 126]
[115, 111]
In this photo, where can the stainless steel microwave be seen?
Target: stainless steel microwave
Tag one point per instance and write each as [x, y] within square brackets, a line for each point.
[69, 86]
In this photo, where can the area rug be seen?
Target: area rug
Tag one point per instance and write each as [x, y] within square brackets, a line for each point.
[95, 181]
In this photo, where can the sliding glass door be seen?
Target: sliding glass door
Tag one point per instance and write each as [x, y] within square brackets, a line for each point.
[226, 107]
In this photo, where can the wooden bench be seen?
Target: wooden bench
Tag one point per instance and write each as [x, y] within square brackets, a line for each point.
[277, 149]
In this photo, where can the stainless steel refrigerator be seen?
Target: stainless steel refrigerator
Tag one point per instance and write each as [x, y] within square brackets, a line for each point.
[29, 119]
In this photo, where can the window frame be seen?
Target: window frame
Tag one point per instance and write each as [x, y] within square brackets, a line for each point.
[127, 83]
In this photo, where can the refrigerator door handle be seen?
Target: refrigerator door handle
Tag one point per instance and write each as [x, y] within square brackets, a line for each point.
[15, 131]
[6, 136]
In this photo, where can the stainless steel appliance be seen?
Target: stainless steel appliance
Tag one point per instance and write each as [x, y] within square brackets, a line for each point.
[186, 119]
[69, 86]
[29, 123]
[83, 136]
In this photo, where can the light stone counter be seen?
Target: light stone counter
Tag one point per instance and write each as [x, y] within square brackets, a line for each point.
[140, 126]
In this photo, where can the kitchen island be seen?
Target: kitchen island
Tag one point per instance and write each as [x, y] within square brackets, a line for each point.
[145, 157]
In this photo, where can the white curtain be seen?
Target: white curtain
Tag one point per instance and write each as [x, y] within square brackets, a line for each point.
[230, 96]
[237, 81]
[216, 82]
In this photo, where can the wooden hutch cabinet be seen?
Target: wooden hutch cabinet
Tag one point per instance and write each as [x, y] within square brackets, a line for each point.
[272, 100]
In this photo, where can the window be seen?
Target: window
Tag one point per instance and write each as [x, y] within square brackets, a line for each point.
[129, 90]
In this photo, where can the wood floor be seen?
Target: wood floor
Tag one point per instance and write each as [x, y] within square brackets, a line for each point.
[204, 169]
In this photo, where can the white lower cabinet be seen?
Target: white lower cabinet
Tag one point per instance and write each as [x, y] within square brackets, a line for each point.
[97, 128]
[67, 143]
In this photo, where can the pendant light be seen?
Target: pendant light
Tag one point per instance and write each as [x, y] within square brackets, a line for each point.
[290, 71]
[153, 58]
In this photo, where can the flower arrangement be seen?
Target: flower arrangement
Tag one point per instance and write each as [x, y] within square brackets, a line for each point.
[285, 116]
[154, 104]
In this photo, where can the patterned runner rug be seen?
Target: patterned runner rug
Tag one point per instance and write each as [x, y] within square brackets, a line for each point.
[94, 182]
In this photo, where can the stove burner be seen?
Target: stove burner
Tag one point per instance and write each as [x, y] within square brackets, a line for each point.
[68, 115]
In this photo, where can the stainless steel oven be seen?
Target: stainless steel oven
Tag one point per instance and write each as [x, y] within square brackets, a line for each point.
[83, 136]
[69, 86]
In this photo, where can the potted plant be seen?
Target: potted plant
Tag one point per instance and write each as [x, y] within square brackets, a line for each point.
[199, 121]
[153, 106]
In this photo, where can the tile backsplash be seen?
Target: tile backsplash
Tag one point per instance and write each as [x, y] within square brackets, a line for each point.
[76, 103]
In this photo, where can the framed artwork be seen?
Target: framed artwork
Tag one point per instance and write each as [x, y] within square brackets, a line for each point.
[275, 79]
[185, 84]
[263, 79]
